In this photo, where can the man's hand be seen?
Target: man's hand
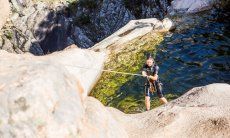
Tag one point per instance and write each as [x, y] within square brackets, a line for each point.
[144, 74]
[155, 77]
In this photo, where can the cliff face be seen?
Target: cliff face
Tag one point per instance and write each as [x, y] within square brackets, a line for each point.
[4, 12]
[41, 28]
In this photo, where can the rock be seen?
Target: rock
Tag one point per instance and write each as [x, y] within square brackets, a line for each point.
[191, 6]
[90, 64]
[36, 26]
[100, 122]
[20, 4]
[81, 39]
[70, 47]
[69, 41]
[4, 12]
[199, 6]
[132, 30]
[72, 60]
[39, 95]
[51, 31]
[168, 24]
[201, 112]
[56, 26]
[7, 46]
[32, 46]
[109, 16]
[29, 111]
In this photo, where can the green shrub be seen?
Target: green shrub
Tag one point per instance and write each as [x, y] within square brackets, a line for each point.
[8, 34]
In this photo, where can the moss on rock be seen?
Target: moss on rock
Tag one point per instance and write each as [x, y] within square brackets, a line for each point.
[126, 58]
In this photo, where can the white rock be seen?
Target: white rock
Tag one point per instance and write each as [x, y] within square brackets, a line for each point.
[45, 96]
[201, 112]
[168, 24]
[130, 31]
[192, 6]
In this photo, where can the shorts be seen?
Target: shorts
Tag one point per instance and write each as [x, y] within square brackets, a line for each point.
[158, 90]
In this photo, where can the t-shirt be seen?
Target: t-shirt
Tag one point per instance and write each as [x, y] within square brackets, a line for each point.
[152, 70]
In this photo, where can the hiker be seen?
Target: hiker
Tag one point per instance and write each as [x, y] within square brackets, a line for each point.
[150, 71]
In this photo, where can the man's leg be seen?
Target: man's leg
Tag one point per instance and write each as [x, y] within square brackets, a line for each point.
[147, 103]
[147, 98]
[163, 100]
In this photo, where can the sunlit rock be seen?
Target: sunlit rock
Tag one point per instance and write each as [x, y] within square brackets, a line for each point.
[4, 11]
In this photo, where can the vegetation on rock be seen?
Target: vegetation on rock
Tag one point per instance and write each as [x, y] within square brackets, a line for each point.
[129, 58]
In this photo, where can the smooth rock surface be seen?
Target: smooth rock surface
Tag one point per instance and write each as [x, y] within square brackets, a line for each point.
[201, 112]
[42, 97]
[168, 24]
[132, 30]
[85, 65]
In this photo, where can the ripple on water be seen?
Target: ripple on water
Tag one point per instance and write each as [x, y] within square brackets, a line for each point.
[198, 56]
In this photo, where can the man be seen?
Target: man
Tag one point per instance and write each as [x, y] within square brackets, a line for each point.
[150, 71]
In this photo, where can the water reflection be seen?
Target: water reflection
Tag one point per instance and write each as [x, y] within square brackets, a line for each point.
[195, 57]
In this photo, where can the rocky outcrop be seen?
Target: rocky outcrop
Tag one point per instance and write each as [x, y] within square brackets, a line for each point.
[191, 6]
[106, 17]
[35, 28]
[201, 112]
[4, 11]
[132, 30]
[41, 28]
[81, 64]
[40, 95]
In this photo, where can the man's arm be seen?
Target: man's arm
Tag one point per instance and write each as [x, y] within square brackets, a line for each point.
[144, 74]
[154, 77]
[151, 77]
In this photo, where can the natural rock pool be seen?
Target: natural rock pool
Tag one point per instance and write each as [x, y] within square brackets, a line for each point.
[195, 54]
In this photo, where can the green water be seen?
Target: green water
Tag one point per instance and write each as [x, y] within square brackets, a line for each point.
[195, 54]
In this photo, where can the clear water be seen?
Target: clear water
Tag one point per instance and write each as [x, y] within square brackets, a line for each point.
[196, 56]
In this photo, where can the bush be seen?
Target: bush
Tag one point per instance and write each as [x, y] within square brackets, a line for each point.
[8, 34]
